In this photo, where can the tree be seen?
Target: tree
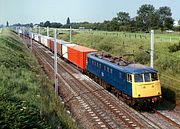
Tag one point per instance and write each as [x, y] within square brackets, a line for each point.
[145, 16]
[115, 24]
[123, 18]
[164, 15]
[169, 21]
[155, 20]
[7, 24]
[47, 24]
[68, 21]
[179, 22]
[56, 25]
[41, 24]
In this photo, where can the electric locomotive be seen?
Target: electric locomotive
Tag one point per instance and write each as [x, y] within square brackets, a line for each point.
[137, 83]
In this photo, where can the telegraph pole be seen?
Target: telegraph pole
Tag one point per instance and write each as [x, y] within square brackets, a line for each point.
[152, 49]
[55, 64]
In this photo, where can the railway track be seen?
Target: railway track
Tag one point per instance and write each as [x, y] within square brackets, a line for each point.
[84, 101]
[173, 115]
[92, 105]
[161, 120]
[104, 109]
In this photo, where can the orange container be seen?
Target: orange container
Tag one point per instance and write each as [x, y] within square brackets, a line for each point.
[77, 55]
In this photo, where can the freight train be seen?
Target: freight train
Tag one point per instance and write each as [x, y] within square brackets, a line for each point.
[137, 84]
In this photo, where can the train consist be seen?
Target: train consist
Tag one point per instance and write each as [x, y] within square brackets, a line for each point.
[137, 84]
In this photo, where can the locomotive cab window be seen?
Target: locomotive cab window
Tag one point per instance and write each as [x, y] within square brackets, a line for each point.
[154, 76]
[129, 77]
[138, 78]
[147, 77]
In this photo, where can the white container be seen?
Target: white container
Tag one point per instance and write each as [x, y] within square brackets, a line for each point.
[65, 49]
[42, 39]
[46, 41]
[36, 37]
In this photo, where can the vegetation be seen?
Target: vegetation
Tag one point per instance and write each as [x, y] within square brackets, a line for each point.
[27, 98]
[49, 24]
[174, 47]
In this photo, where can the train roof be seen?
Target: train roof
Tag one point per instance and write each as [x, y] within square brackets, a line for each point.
[129, 68]
[83, 49]
[138, 69]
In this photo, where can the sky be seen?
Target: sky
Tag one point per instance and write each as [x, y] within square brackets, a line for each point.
[36, 11]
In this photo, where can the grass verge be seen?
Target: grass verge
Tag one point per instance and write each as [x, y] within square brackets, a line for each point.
[27, 98]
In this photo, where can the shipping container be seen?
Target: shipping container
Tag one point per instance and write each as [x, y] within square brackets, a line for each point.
[33, 37]
[46, 40]
[39, 38]
[51, 44]
[59, 47]
[42, 39]
[48, 43]
[65, 49]
[77, 55]
[36, 37]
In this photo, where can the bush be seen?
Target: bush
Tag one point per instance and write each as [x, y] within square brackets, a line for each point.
[168, 63]
[105, 47]
[174, 48]
[142, 57]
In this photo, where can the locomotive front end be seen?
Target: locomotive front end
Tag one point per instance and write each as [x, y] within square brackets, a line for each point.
[146, 86]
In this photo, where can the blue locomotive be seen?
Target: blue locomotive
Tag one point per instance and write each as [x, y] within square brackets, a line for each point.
[134, 82]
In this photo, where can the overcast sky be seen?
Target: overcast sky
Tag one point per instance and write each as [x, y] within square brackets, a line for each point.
[35, 11]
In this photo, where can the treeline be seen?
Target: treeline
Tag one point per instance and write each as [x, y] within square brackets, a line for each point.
[148, 17]
[49, 24]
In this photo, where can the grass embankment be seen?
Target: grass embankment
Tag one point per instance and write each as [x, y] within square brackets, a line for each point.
[27, 97]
